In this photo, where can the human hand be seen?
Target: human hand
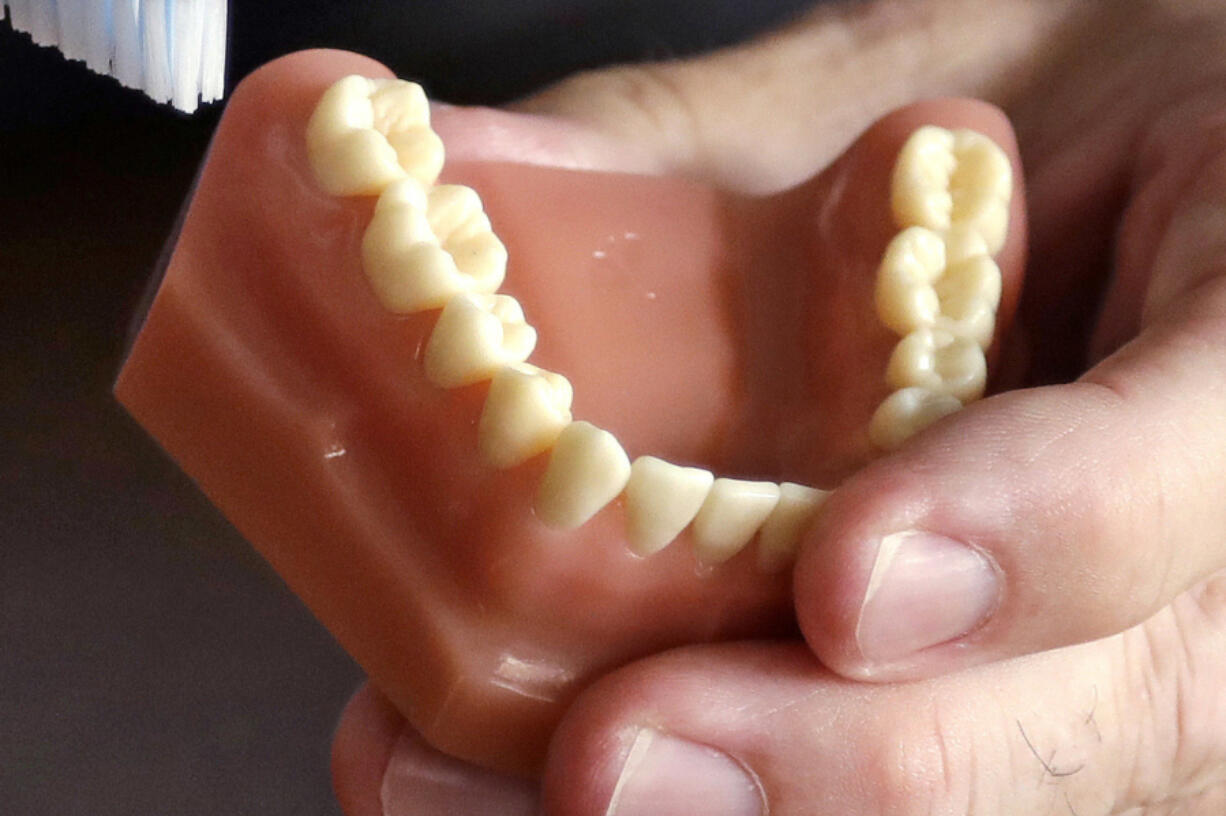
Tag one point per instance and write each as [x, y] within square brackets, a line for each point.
[1096, 503]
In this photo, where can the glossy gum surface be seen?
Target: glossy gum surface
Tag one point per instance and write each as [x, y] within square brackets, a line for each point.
[685, 319]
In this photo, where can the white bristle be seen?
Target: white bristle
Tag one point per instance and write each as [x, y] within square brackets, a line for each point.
[173, 50]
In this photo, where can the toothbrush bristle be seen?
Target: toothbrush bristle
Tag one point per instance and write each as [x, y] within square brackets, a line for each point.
[173, 50]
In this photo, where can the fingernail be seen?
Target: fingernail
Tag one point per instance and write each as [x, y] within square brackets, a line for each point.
[420, 781]
[924, 590]
[666, 776]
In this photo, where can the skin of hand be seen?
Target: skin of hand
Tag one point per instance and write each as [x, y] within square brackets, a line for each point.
[1089, 490]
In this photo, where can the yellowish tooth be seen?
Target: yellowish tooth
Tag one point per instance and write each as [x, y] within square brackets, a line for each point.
[962, 243]
[948, 178]
[969, 294]
[458, 219]
[780, 534]
[732, 513]
[905, 297]
[368, 133]
[587, 470]
[661, 499]
[906, 412]
[525, 411]
[456, 211]
[476, 335]
[939, 361]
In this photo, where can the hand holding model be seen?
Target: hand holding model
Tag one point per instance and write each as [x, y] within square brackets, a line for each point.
[1045, 565]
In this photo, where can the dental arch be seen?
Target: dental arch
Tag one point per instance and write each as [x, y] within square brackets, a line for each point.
[431, 247]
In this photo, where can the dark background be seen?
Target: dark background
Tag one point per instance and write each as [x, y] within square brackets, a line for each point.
[149, 662]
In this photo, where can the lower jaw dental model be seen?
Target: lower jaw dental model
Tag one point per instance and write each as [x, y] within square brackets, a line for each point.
[440, 500]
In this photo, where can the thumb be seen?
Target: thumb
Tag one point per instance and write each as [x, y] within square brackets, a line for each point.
[1058, 515]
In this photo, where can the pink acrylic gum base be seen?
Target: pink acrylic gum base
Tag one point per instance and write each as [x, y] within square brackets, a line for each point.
[680, 314]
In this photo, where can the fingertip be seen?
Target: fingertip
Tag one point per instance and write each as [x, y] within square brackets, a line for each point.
[361, 748]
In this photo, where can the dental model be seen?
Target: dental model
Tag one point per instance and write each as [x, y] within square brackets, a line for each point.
[431, 247]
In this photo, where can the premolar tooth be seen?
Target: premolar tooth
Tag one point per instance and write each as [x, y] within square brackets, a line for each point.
[732, 513]
[525, 411]
[969, 294]
[905, 297]
[945, 178]
[458, 219]
[661, 499]
[456, 210]
[476, 335]
[586, 471]
[780, 534]
[939, 361]
[906, 412]
[367, 133]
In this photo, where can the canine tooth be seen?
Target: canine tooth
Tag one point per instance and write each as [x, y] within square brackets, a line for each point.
[780, 534]
[944, 178]
[905, 297]
[476, 335]
[661, 499]
[732, 513]
[525, 411]
[906, 412]
[939, 361]
[367, 133]
[586, 471]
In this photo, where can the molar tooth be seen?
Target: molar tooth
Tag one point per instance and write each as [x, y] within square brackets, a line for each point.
[906, 412]
[458, 219]
[525, 411]
[969, 294]
[905, 297]
[586, 471]
[732, 513]
[477, 334]
[661, 499]
[780, 534]
[944, 178]
[408, 269]
[939, 361]
[456, 210]
[365, 134]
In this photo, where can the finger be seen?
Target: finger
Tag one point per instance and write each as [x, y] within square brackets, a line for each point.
[752, 729]
[382, 767]
[1053, 516]
[764, 115]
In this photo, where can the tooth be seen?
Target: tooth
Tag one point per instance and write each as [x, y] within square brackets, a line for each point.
[586, 471]
[780, 534]
[945, 178]
[939, 361]
[476, 335]
[365, 134]
[962, 243]
[661, 499]
[525, 411]
[409, 270]
[463, 229]
[969, 294]
[907, 412]
[731, 514]
[905, 297]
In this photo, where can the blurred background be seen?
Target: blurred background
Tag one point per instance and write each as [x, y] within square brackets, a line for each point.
[150, 663]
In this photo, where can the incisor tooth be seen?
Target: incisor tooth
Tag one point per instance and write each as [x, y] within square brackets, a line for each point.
[939, 361]
[476, 335]
[905, 297]
[661, 499]
[731, 514]
[525, 411]
[367, 133]
[586, 471]
[780, 534]
[945, 178]
[906, 412]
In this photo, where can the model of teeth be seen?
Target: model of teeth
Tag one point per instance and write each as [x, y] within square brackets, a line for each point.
[431, 247]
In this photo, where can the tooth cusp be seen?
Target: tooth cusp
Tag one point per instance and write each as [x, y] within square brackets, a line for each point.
[730, 516]
[476, 334]
[587, 470]
[906, 412]
[525, 412]
[940, 361]
[780, 535]
[661, 500]
[905, 297]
